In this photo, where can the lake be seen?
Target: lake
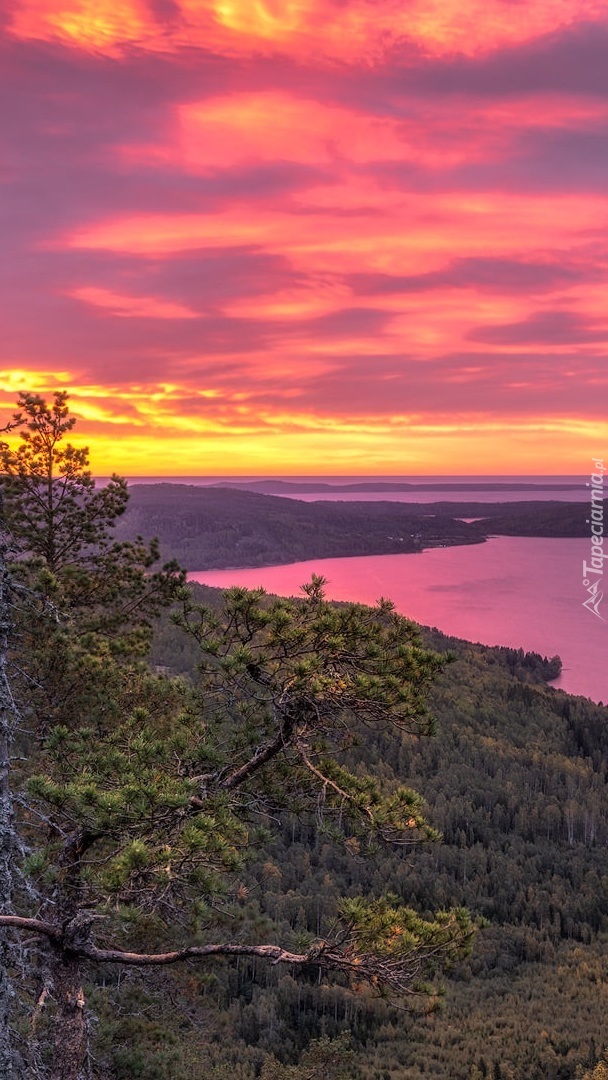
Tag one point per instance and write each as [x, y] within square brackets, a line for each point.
[454, 496]
[517, 591]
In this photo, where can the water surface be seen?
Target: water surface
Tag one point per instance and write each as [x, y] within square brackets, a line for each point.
[518, 591]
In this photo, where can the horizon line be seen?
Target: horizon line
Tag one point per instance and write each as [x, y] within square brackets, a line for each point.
[311, 477]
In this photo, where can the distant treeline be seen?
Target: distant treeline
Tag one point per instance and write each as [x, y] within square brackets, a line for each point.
[215, 527]
[309, 487]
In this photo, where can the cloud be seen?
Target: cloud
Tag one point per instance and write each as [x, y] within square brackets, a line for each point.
[491, 384]
[567, 59]
[132, 307]
[544, 327]
[485, 273]
[334, 29]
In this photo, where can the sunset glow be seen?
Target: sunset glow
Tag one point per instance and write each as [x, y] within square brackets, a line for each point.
[310, 236]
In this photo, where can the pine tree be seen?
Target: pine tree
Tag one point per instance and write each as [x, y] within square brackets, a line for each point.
[50, 502]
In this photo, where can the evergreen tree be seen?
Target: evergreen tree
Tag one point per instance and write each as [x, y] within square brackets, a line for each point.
[50, 502]
[324, 1058]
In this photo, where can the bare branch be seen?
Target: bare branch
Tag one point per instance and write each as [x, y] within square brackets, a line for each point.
[261, 757]
[35, 926]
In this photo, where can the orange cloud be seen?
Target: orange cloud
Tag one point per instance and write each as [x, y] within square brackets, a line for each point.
[383, 228]
[277, 126]
[338, 31]
[136, 430]
[102, 25]
[132, 307]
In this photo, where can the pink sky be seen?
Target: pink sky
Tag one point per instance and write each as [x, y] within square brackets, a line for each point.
[297, 237]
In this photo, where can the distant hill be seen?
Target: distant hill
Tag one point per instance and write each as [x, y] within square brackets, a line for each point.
[206, 528]
[284, 487]
[216, 527]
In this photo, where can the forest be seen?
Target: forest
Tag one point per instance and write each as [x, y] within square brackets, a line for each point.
[515, 781]
[208, 528]
[243, 836]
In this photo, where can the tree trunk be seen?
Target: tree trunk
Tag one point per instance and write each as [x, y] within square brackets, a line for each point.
[70, 1035]
[6, 993]
[8, 846]
[70, 1038]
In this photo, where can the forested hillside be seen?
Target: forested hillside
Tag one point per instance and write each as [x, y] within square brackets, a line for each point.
[515, 779]
[212, 527]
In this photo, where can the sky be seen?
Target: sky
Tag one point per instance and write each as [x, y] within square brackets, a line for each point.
[291, 237]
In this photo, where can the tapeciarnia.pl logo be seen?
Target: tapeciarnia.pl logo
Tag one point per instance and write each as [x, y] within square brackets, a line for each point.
[593, 571]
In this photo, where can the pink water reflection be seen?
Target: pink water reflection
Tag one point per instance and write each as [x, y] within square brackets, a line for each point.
[517, 591]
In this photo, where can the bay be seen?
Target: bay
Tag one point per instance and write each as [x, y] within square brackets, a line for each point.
[523, 592]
